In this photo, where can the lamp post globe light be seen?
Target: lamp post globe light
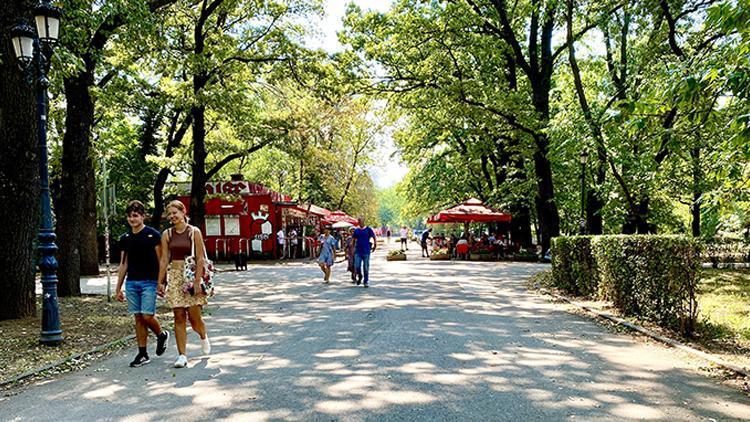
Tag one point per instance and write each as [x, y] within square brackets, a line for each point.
[33, 51]
[582, 227]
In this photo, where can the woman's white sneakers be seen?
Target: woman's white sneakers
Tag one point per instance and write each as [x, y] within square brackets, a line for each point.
[206, 346]
[181, 361]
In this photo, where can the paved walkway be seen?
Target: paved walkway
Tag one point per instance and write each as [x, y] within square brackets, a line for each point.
[428, 341]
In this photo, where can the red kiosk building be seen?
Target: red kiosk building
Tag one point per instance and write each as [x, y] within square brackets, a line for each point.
[244, 217]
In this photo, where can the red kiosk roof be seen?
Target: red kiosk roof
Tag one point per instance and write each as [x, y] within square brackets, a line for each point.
[469, 211]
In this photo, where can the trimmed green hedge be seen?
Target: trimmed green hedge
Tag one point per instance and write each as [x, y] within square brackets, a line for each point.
[653, 277]
[573, 265]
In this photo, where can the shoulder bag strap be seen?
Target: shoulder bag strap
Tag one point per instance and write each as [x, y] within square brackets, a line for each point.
[192, 241]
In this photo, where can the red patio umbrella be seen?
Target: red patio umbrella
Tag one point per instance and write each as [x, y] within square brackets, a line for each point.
[470, 211]
[339, 215]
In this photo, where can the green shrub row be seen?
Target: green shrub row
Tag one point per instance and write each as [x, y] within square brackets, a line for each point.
[653, 277]
[725, 251]
[573, 265]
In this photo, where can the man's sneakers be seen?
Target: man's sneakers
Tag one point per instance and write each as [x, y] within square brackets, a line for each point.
[367, 285]
[206, 346]
[161, 342]
[181, 361]
[140, 360]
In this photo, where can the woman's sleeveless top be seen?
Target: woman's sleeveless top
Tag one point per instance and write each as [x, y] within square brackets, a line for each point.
[179, 245]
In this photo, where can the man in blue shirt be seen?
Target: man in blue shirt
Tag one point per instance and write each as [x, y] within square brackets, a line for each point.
[362, 249]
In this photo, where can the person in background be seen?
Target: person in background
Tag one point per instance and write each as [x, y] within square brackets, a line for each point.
[404, 235]
[139, 262]
[349, 251]
[462, 248]
[452, 244]
[362, 236]
[388, 235]
[327, 253]
[293, 241]
[425, 241]
[281, 240]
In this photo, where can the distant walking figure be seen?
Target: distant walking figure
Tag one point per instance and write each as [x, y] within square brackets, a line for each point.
[139, 263]
[425, 241]
[281, 240]
[184, 296]
[349, 251]
[362, 249]
[327, 253]
[404, 233]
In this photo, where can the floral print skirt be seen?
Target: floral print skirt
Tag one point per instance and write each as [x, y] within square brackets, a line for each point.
[175, 283]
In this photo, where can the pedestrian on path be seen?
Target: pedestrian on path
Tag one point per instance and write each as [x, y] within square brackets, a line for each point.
[327, 253]
[184, 296]
[362, 249]
[349, 252]
[404, 234]
[293, 244]
[139, 264]
[281, 240]
[425, 240]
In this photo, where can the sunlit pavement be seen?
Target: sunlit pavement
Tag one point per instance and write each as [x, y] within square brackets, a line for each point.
[427, 341]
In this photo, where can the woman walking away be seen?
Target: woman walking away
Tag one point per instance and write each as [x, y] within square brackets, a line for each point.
[327, 253]
[184, 296]
[349, 251]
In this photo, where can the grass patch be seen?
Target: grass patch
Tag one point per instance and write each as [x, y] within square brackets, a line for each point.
[724, 307]
[87, 322]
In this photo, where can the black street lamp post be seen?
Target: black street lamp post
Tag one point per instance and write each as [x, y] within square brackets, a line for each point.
[583, 229]
[34, 51]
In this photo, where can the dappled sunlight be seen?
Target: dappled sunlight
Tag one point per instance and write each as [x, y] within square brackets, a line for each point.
[109, 391]
[458, 339]
[338, 353]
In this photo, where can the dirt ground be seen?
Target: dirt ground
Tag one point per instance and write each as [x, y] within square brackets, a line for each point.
[87, 322]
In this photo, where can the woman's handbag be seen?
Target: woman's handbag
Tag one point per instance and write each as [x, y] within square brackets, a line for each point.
[207, 284]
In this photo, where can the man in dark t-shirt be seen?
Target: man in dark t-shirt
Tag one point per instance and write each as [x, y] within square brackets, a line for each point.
[362, 249]
[425, 239]
[139, 261]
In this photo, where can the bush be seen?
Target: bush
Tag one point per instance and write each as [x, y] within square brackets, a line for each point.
[573, 265]
[653, 277]
[725, 250]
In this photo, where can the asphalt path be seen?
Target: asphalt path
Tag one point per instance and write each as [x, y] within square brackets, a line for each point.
[428, 341]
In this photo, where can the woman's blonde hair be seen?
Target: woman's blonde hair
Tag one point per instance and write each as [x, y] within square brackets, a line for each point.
[179, 205]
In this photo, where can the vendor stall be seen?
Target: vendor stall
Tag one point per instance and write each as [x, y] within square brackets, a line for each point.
[467, 212]
[244, 218]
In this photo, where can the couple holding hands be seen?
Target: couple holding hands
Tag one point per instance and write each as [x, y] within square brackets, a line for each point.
[153, 264]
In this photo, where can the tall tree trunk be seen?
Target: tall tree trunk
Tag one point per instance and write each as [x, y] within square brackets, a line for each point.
[594, 205]
[161, 181]
[73, 183]
[89, 244]
[549, 218]
[636, 219]
[198, 185]
[19, 176]
[520, 230]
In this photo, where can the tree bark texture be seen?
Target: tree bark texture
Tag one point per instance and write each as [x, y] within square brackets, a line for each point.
[73, 183]
[89, 245]
[19, 176]
[198, 183]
